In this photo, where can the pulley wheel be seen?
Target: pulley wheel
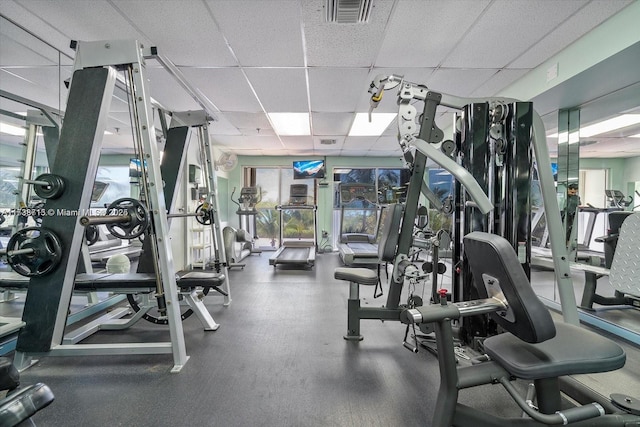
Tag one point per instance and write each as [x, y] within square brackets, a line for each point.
[136, 224]
[53, 189]
[45, 251]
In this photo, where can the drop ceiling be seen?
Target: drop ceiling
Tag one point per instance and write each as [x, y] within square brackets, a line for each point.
[253, 57]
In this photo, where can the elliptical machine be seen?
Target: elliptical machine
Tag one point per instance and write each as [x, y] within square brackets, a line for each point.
[239, 243]
[249, 198]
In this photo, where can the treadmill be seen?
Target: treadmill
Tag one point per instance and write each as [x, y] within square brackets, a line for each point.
[358, 224]
[296, 250]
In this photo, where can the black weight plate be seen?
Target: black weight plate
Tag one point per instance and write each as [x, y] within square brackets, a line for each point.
[53, 190]
[138, 222]
[46, 255]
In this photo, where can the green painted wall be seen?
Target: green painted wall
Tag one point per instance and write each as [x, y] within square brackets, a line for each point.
[614, 166]
[630, 177]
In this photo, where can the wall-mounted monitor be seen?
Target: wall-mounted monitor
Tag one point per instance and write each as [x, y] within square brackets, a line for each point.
[308, 169]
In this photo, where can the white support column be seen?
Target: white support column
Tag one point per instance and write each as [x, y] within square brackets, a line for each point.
[212, 198]
[157, 208]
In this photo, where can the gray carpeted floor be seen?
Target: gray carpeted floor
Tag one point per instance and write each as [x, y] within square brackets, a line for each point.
[278, 359]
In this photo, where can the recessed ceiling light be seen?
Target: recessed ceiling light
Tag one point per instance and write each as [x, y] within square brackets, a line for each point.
[363, 127]
[290, 124]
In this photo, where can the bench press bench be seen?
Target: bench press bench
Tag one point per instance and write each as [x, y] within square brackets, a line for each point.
[125, 283]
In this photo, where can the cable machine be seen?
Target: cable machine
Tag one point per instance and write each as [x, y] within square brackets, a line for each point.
[420, 138]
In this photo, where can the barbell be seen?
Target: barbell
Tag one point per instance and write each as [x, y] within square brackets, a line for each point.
[33, 251]
[128, 218]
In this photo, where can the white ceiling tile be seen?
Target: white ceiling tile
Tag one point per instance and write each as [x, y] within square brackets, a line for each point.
[166, 25]
[280, 90]
[386, 143]
[40, 28]
[458, 82]
[36, 84]
[298, 142]
[165, 89]
[85, 20]
[250, 123]
[227, 88]
[491, 45]
[222, 126]
[17, 50]
[422, 32]
[498, 81]
[359, 142]
[570, 30]
[337, 89]
[343, 45]
[331, 123]
[261, 33]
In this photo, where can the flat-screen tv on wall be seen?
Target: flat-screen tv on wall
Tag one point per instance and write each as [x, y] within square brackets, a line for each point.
[308, 169]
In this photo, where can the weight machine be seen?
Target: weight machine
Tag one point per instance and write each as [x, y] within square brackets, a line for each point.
[497, 265]
[419, 138]
[46, 306]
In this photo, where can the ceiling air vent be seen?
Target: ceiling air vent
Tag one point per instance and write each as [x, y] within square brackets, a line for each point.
[327, 141]
[348, 11]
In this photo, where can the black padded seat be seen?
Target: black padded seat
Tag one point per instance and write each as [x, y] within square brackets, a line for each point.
[362, 276]
[127, 282]
[573, 350]
[200, 278]
[25, 402]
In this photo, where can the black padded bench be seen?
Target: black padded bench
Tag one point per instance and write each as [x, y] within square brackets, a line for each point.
[125, 283]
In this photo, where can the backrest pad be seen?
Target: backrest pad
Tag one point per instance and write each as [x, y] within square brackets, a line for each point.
[389, 237]
[492, 256]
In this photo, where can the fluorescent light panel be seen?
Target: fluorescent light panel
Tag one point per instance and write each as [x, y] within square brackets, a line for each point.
[290, 124]
[605, 126]
[379, 122]
[12, 129]
[608, 125]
